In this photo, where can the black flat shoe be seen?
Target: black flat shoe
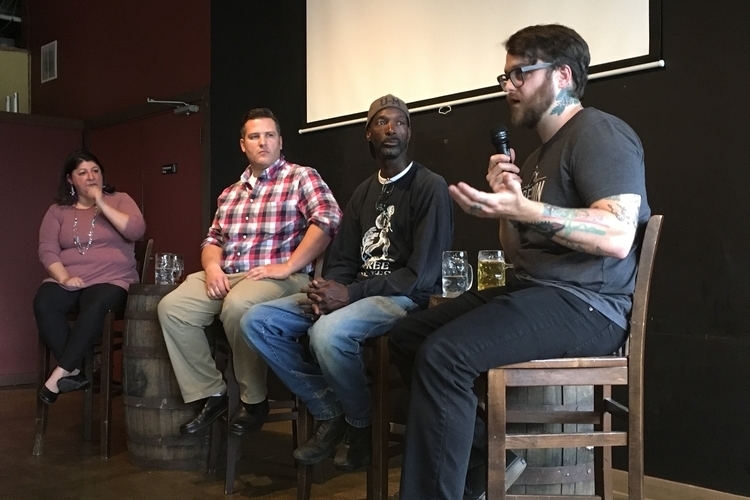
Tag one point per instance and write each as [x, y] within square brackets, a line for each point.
[73, 383]
[214, 407]
[249, 418]
[46, 395]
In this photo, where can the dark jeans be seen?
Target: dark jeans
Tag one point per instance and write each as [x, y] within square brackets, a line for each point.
[52, 302]
[442, 350]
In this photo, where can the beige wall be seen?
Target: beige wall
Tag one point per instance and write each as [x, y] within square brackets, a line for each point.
[14, 77]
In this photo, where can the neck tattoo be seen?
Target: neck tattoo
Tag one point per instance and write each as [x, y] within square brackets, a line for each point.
[82, 249]
[564, 99]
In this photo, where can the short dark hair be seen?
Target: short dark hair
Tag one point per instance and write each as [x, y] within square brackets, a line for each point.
[555, 44]
[257, 113]
[64, 196]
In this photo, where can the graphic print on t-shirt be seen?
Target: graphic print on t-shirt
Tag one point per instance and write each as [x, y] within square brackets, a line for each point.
[533, 190]
[376, 243]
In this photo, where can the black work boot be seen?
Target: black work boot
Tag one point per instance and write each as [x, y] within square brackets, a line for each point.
[356, 451]
[215, 407]
[328, 434]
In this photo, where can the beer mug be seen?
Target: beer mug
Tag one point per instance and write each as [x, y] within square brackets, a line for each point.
[178, 266]
[168, 268]
[458, 275]
[490, 269]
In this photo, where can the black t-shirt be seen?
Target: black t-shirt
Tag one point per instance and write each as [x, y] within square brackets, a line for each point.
[391, 239]
[593, 156]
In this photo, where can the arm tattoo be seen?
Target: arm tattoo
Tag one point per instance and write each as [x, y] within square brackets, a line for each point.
[548, 229]
[568, 225]
[563, 213]
[624, 212]
[579, 248]
[564, 99]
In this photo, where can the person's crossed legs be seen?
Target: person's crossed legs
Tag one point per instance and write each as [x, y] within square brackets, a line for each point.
[331, 379]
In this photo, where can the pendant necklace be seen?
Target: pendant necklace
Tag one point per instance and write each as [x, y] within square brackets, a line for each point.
[82, 249]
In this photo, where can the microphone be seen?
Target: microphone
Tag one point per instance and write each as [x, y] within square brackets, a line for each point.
[499, 138]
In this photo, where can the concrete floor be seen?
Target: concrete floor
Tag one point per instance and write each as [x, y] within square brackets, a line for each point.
[72, 469]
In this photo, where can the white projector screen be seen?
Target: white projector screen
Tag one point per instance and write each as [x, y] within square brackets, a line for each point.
[418, 50]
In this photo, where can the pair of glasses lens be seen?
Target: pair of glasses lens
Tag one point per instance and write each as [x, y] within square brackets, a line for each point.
[516, 75]
[382, 204]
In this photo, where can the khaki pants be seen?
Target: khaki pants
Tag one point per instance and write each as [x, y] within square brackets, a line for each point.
[187, 310]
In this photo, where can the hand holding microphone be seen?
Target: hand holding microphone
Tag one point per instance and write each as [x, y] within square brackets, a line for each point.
[502, 175]
[498, 164]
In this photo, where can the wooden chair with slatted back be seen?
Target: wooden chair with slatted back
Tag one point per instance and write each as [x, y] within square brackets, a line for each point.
[282, 410]
[385, 443]
[602, 373]
[111, 341]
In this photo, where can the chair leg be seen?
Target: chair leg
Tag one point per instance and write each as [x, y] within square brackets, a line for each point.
[215, 448]
[216, 428]
[603, 454]
[496, 429]
[233, 447]
[377, 474]
[105, 390]
[233, 395]
[304, 426]
[42, 410]
[635, 443]
[88, 396]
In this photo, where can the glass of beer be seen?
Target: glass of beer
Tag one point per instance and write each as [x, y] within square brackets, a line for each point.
[458, 275]
[168, 268]
[490, 269]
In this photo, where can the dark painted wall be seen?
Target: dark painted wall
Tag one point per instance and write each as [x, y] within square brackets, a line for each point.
[113, 55]
[134, 152]
[691, 117]
[32, 151]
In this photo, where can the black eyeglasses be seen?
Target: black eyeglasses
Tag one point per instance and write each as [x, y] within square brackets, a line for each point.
[516, 75]
[382, 204]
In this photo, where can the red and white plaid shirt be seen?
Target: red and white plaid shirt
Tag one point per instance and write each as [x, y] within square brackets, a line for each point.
[264, 224]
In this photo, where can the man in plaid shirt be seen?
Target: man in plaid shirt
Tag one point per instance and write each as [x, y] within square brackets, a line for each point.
[268, 229]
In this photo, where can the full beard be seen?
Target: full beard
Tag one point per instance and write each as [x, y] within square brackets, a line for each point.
[531, 113]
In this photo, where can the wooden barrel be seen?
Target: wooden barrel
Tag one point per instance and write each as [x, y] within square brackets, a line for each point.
[154, 409]
[554, 471]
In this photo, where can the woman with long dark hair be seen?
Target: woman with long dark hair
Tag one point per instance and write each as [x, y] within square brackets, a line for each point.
[86, 244]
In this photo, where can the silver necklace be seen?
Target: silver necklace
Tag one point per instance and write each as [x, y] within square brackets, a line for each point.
[82, 249]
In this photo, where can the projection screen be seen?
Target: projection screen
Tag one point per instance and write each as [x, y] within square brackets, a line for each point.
[425, 51]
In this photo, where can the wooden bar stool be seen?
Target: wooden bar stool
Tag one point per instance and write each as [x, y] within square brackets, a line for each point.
[602, 373]
[294, 411]
[111, 341]
[385, 442]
